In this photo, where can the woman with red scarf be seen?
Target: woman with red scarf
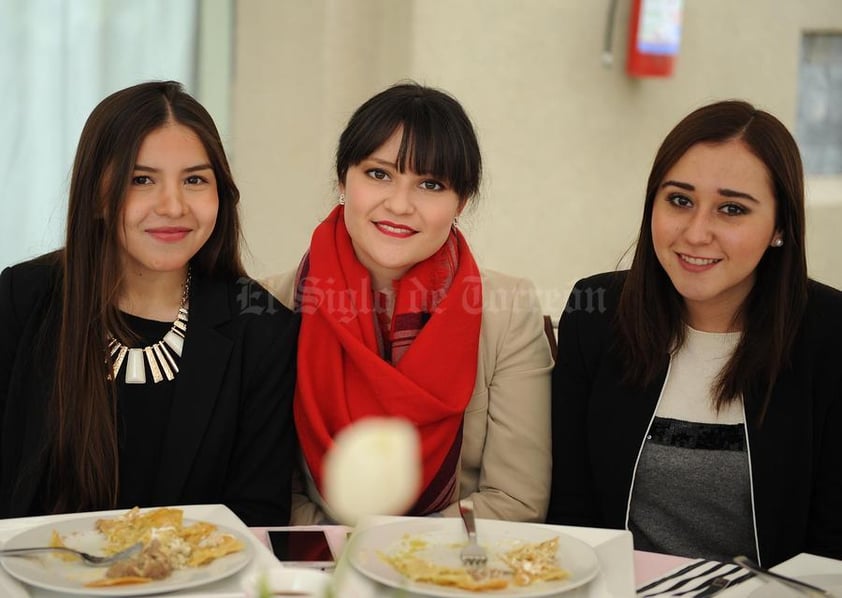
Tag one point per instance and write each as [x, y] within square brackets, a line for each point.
[399, 321]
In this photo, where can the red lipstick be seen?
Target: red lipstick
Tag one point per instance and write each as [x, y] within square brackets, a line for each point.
[392, 229]
[168, 234]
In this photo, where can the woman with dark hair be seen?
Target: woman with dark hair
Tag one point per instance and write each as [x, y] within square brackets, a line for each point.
[398, 320]
[138, 364]
[698, 401]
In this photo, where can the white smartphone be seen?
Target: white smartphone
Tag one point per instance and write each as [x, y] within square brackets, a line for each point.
[302, 548]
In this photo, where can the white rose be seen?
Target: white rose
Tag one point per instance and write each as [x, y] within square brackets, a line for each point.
[373, 468]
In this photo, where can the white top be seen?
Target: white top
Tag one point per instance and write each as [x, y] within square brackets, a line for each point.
[688, 392]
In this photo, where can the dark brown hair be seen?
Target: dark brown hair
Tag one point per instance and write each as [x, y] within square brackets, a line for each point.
[82, 449]
[438, 137]
[651, 316]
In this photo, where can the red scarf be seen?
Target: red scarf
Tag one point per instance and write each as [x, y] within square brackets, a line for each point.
[342, 376]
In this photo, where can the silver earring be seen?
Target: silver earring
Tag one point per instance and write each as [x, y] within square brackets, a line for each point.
[455, 221]
[341, 199]
[777, 242]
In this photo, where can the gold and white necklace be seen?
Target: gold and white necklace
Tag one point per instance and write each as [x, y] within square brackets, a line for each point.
[159, 356]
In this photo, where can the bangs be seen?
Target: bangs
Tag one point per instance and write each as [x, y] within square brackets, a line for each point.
[429, 147]
[437, 137]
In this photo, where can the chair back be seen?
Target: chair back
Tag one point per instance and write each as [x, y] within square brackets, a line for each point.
[549, 330]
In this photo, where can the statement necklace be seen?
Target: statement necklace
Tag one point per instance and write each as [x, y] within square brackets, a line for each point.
[159, 356]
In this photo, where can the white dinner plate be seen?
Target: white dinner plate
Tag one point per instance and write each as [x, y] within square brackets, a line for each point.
[831, 582]
[444, 537]
[49, 572]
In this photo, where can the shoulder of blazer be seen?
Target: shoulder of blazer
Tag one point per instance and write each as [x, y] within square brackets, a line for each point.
[31, 282]
[591, 308]
[502, 296]
[820, 332]
[495, 281]
[215, 302]
[824, 302]
[607, 285]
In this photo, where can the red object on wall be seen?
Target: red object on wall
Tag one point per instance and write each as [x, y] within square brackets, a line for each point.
[654, 37]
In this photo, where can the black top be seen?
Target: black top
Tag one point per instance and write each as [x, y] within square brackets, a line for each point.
[143, 412]
[227, 436]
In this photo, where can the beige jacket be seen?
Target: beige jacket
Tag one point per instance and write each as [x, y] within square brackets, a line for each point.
[506, 445]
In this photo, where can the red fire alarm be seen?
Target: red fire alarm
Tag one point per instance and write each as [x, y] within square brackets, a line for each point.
[654, 37]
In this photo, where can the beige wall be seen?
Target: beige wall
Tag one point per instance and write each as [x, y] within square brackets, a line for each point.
[567, 143]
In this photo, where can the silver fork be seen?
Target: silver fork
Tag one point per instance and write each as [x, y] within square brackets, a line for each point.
[89, 559]
[473, 555]
[795, 584]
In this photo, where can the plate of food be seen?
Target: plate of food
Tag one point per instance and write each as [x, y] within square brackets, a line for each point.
[423, 556]
[177, 553]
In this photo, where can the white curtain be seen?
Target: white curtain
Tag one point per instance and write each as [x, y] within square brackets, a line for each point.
[58, 59]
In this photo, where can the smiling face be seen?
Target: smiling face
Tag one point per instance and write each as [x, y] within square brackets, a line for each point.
[171, 203]
[395, 219]
[713, 218]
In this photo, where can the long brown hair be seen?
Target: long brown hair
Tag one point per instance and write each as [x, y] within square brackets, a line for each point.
[82, 449]
[651, 313]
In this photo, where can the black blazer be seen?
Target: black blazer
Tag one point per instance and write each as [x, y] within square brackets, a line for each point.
[230, 437]
[796, 455]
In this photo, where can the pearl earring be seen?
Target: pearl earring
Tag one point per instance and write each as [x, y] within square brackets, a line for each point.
[341, 199]
[777, 242]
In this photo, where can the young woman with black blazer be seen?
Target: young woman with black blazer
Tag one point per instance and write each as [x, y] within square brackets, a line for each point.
[138, 364]
[697, 397]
